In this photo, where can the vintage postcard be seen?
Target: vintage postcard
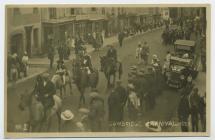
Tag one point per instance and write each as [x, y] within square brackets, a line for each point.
[107, 70]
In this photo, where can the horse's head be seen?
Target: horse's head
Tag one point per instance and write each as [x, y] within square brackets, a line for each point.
[25, 101]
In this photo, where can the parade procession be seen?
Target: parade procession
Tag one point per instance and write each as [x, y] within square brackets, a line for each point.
[106, 69]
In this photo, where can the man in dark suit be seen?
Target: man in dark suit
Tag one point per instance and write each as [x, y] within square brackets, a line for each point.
[114, 111]
[51, 53]
[47, 91]
[112, 53]
[61, 51]
[183, 112]
[120, 38]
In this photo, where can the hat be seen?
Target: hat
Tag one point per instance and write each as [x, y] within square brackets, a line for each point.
[155, 56]
[84, 110]
[118, 81]
[155, 64]
[80, 125]
[133, 67]
[45, 75]
[133, 72]
[142, 70]
[131, 86]
[140, 74]
[94, 94]
[67, 115]
[153, 126]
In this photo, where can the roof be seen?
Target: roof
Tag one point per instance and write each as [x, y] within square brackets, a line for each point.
[185, 43]
[180, 59]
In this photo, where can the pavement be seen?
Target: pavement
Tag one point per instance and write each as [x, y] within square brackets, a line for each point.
[165, 107]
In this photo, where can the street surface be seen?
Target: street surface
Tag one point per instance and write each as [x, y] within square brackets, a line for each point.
[166, 103]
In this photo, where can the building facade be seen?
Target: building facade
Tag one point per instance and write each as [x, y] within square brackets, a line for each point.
[33, 29]
[24, 30]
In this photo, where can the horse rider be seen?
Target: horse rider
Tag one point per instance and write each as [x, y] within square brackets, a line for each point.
[86, 63]
[47, 91]
[112, 53]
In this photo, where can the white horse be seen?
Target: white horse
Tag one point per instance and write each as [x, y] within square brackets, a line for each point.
[61, 82]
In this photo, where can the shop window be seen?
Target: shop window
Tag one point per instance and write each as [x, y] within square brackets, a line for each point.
[72, 11]
[35, 10]
[16, 11]
[52, 13]
[93, 9]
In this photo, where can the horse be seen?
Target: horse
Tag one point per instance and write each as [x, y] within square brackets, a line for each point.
[36, 111]
[110, 67]
[84, 80]
[58, 82]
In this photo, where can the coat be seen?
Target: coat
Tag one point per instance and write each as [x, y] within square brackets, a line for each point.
[121, 36]
[51, 52]
[122, 95]
[115, 108]
[112, 53]
[61, 50]
[116, 103]
[183, 108]
[96, 114]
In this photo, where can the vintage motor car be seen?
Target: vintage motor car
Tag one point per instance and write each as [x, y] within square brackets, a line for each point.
[187, 49]
[178, 72]
[182, 47]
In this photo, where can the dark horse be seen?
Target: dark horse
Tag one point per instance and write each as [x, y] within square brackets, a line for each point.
[82, 79]
[110, 67]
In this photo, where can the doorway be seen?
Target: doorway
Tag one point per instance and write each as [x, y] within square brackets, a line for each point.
[17, 44]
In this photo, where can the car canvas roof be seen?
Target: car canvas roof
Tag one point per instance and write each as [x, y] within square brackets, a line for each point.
[180, 59]
[185, 43]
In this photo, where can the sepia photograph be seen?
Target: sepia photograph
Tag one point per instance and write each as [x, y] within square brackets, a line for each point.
[107, 70]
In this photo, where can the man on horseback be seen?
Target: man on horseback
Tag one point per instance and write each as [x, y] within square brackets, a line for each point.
[47, 92]
[86, 63]
[112, 53]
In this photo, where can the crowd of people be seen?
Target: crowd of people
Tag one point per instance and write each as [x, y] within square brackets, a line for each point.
[182, 29]
[144, 84]
[192, 105]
